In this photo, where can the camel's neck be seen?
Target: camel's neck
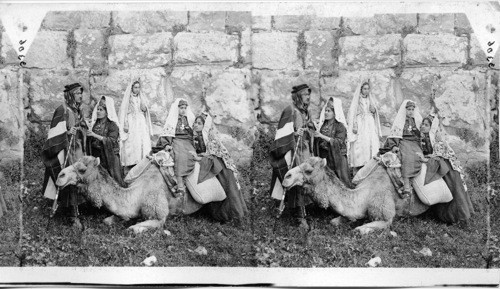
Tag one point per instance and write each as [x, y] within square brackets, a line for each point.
[104, 190]
[330, 190]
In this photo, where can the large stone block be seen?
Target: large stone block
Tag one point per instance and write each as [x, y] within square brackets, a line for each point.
[140, 51]
[142, 22]
[275, 91]
[418, 84]
[275, 50]
[239, 19]
[89, 44]
[293, 23]
[361, 25]
[8, 54]
[436, 23]
[477, 54]
[246, 46]
[204, 48]
[240, 150]
[319, 49]
[154, 86]
[370, 52]
[261, 23]
[325, 23]
[11, 121]
[228, 97]
[191, 83]
[442, 49]
[396, 23]
[462, 24]
[68, 20]
[382, 89]
[49, 50]
[207, 21]
[46, 89]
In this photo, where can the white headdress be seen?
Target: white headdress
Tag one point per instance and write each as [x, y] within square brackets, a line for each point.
[110, 110]
[339, 112]
[173, 117]
[124, 110]
[399, 122]
[353, 111]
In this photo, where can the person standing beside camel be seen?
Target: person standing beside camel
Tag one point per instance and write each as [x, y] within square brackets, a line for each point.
[293, 142]
[64, 146]
[135, 120]
[364, 127]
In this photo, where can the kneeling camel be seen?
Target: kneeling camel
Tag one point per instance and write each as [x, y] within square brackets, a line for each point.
[374, 198]
[147, 197]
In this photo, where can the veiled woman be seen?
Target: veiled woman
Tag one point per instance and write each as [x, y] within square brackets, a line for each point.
[443, 163]
[104, 137]
[330, 139]
[405, 138]
[364, 127]
[215, 160]
[178, 133]
[135, 121]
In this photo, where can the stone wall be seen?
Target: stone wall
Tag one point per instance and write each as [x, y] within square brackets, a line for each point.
[241, 67]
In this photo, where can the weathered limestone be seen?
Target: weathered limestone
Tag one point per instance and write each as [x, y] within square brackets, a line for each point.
[436, 23]
[11, 136]
[46, 89]
[319, 49]
[462, 24]
[292, 23]
[382, 89]
[361, 25]
[261, 23]
[325, 23]
[153, 86]
[369, 52]
[227, 96]
[396, 23]
[68, 20]
[89, 45]
[49, 50]
[239, 19]
[432, 50]
[142, 22]
[140, 51]
[204, 48]
[275, 91]
[7, 53]
[207, 21]
[275, 50]
[477, 54]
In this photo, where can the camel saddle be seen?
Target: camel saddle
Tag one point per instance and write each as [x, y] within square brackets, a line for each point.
[163, 161]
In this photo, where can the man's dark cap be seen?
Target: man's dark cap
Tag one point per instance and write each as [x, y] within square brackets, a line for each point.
[298, 88]
[72, 86]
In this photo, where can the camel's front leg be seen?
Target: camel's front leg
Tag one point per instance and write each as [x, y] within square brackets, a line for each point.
[340, 220]
[375, 225]
[149, 224]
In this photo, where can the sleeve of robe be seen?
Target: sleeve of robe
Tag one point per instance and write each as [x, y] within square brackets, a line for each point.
[162, 142]
[111, 151]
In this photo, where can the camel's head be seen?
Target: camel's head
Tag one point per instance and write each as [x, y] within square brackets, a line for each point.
[78, 172]
[302, 174]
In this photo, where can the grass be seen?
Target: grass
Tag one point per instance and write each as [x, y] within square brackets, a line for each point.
[9, 222]
[260, 240]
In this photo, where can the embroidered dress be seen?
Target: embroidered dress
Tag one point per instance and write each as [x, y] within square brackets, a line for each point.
[136, 143]
[218, 163]
[365, 143]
